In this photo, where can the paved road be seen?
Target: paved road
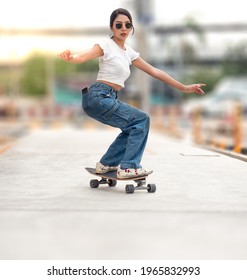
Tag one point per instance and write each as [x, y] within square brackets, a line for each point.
[48, 210]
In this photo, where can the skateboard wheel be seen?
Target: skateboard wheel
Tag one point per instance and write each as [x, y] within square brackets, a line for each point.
[112, 183]
[151, 188]
[129, 188]
[94, 183]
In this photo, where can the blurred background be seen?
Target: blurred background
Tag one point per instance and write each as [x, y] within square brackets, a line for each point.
[194, 41]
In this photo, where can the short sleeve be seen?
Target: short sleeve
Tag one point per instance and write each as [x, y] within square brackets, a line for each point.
[104, 45]
[133, 54]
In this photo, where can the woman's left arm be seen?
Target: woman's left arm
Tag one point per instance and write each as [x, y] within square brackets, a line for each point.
[164, 77]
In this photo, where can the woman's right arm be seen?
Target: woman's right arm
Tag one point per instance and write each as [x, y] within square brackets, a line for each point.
[94, 52]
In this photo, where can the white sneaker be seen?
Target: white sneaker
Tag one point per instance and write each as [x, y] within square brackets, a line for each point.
[101, 169]
[132, 172]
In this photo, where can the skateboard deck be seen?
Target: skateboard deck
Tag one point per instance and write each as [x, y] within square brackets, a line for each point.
[110, 179]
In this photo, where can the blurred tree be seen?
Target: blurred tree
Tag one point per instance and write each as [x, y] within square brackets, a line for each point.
[63, 68]
[89, 66]
[38, 68]
[234, 63]
[192, 23]
[188, 51]
[5, 78]
[187, 48]
[208, 76]
[235, 60]
[34, 76]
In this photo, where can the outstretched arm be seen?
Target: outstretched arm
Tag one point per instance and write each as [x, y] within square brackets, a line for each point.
[164, 77]
[94, 52]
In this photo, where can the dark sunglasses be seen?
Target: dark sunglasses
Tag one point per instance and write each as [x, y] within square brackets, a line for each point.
[128, 25]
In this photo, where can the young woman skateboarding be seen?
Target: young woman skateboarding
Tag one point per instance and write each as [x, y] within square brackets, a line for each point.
[100, 98]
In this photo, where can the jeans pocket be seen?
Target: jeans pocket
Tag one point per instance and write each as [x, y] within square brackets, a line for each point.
[123, 117]
[108, 107]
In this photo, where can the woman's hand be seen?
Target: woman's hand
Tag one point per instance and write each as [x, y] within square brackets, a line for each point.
[66, 55]
[195, 88]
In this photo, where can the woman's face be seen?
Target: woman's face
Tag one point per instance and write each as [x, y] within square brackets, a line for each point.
[121, 27]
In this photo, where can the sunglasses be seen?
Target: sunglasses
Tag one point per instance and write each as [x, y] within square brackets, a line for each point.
[128, 25]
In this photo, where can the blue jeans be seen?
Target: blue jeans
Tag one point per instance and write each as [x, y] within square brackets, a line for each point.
[100, 102]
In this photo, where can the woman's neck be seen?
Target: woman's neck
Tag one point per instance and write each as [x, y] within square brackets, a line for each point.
[120, 43]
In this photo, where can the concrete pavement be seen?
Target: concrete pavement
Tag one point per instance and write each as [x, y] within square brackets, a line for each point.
[48, 210]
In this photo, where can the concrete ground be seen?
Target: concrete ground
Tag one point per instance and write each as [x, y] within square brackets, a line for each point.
[49, 211]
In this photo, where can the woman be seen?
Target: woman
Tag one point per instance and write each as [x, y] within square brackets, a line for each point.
[100, 98]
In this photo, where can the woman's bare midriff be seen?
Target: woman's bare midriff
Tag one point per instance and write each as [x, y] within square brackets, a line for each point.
[114, 86]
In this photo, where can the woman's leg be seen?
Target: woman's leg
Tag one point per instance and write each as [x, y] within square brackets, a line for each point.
[116, 151]
[128, 148]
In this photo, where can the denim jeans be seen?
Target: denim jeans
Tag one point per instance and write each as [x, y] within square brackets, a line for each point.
[100, 102]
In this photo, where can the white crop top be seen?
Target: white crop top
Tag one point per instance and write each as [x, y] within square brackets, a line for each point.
[114, 65]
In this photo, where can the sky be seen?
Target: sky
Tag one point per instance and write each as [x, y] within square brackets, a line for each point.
[204, 11]
[75, 13]
[79, 13]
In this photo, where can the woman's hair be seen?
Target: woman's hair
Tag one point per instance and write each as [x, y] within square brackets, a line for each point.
[120, 11]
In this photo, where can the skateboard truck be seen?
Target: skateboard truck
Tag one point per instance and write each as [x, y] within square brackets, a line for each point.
[104, 181]
[141, 185]
[110, 179]
[129, 188]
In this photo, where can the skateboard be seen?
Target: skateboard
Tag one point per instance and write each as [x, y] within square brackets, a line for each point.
[110, 179]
